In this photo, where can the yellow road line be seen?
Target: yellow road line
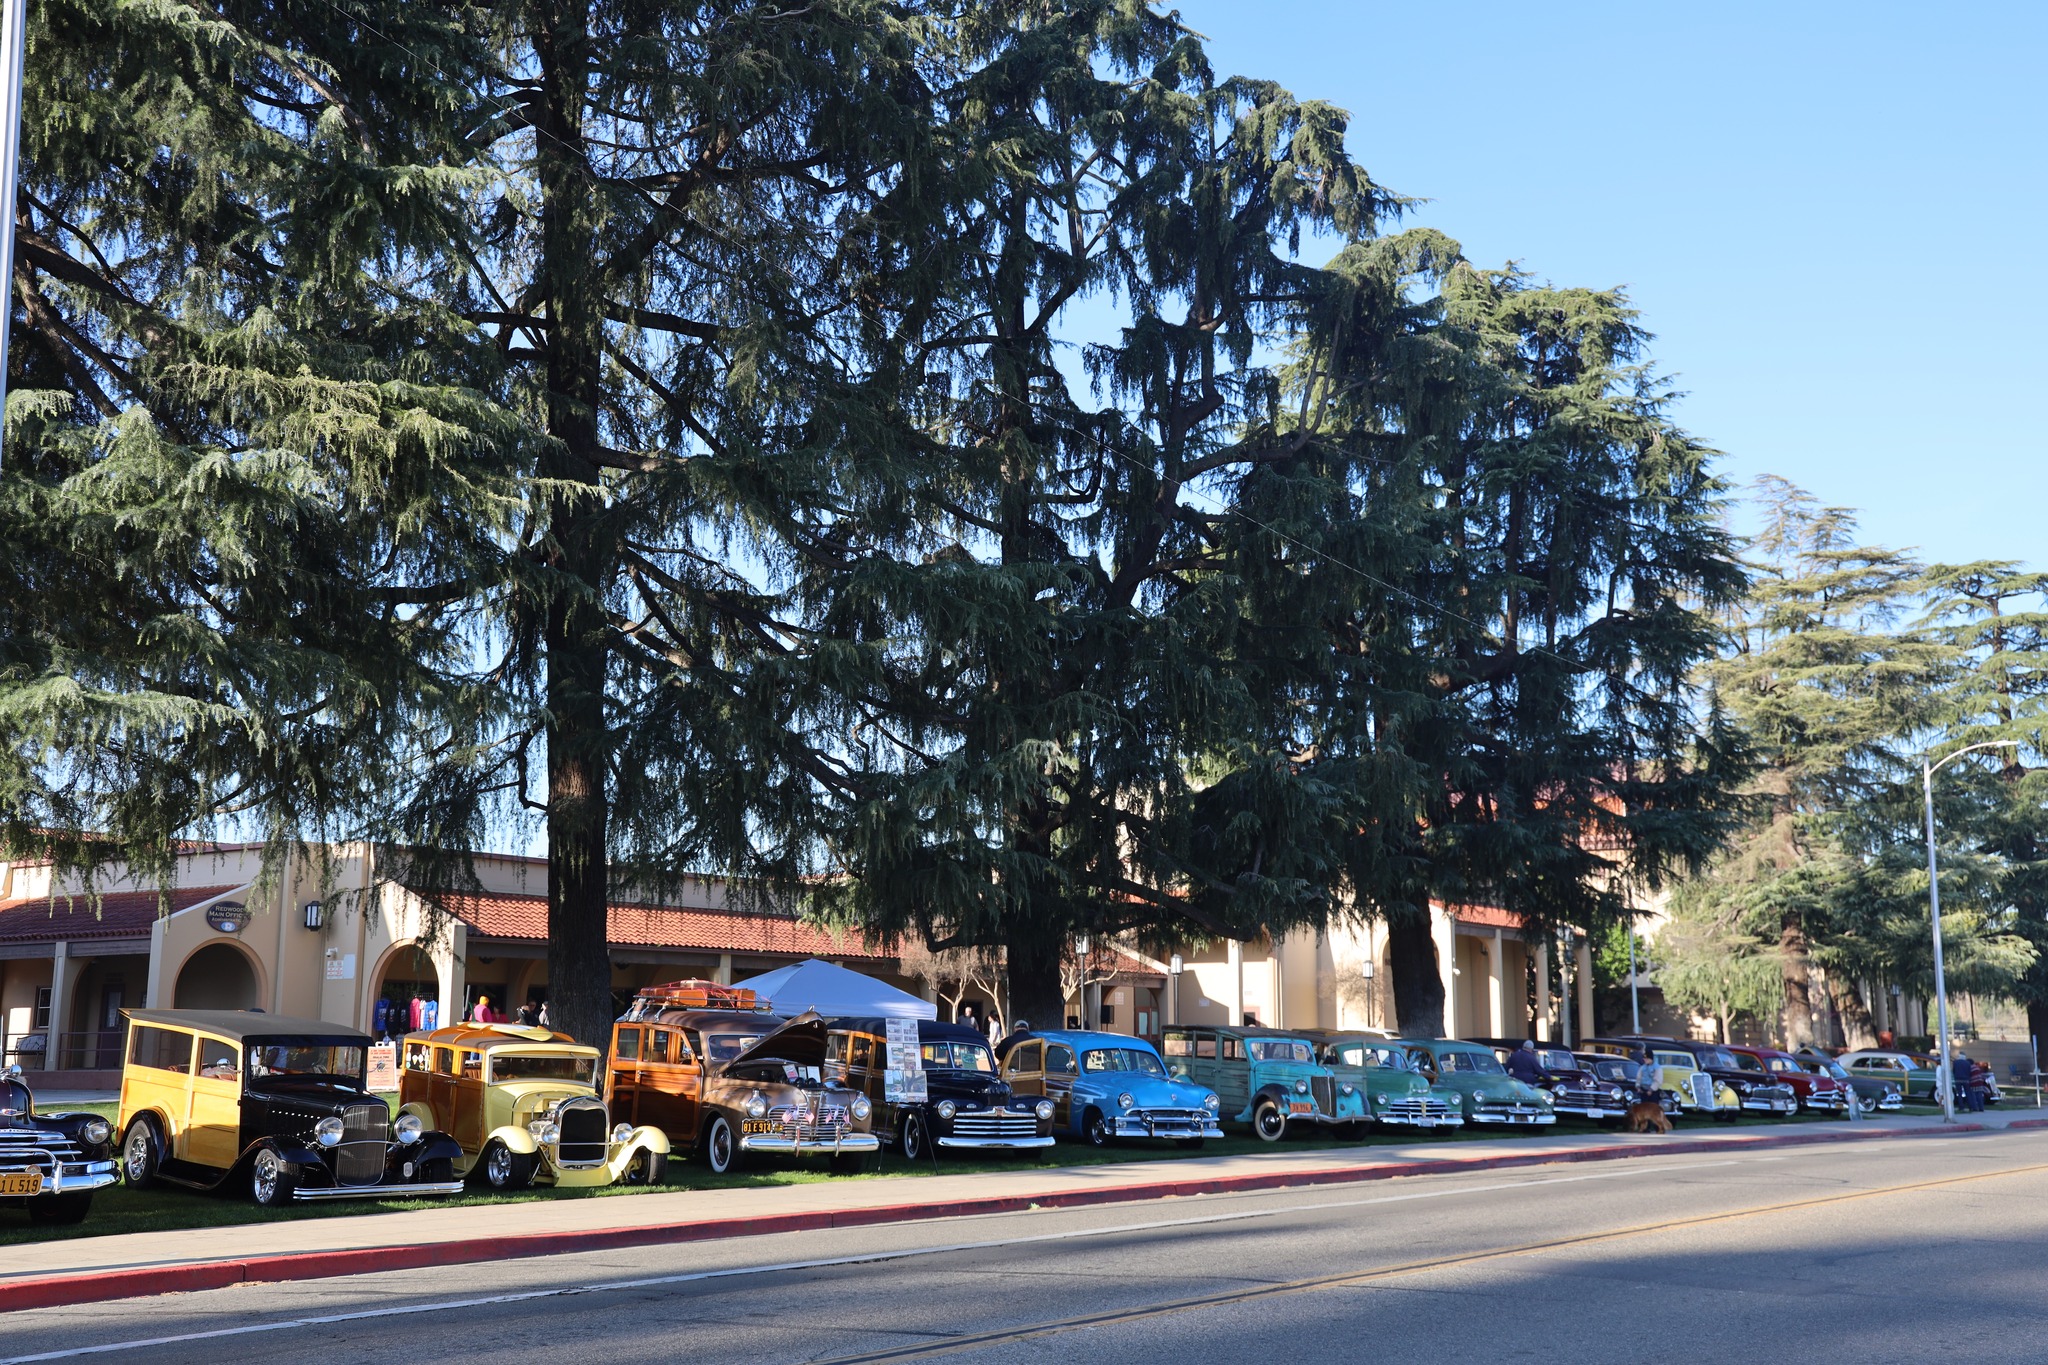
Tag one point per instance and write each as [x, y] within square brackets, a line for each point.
[1108, 1318]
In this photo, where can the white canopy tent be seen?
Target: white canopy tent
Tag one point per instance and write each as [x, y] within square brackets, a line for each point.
[834, 992]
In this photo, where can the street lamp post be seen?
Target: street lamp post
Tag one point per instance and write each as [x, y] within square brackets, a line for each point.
[1635, 1008]
[1945, 1082]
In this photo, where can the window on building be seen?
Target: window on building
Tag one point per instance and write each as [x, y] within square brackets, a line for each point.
[42, 1007]
[161, 1049]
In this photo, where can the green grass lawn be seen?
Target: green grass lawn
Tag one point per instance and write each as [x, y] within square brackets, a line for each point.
[119, 1209]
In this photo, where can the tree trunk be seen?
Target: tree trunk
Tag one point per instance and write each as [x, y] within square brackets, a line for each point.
[573, 632]
[1797, 1016]
[1857, 1029]
[1418, 981]
[2037, 1025]
[1035, 993]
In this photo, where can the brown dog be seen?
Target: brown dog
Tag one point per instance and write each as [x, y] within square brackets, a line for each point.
[1646, 1116]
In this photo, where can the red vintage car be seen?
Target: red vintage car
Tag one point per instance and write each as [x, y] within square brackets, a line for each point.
[1814, 1091]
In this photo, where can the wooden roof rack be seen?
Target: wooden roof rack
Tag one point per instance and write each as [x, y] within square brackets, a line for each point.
[694, 995]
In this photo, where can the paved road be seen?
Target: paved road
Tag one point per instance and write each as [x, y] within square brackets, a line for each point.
[1892, 1250]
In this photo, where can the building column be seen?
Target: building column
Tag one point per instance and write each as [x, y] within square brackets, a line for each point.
[1543, 990]
[725, 971]
[1496, 988]
[1278, 983]
[1233, 957]
[1582, 967]
[60, 1006]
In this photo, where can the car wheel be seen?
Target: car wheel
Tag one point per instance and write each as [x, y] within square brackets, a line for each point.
[646, 1168]
[1095, 1128]
[849, 1163]
[271, 1180]
[1866, 1104]
[505, 1169]
[914, 1141]
[60, 1208]
[141, 1153]
[1268, 1123]
[721, 1146]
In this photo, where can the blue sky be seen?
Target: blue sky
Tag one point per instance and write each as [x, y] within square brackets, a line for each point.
[1830, 214]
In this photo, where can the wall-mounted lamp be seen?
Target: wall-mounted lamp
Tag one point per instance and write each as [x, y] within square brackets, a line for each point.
[316, 914]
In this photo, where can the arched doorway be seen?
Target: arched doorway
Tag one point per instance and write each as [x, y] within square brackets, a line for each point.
[408, 993]
[217, 977]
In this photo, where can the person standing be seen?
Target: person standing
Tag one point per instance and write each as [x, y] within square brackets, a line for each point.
[1524, 1065]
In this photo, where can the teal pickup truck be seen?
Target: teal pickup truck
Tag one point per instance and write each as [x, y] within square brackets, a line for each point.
[1396, 1094]
[1268, 1078]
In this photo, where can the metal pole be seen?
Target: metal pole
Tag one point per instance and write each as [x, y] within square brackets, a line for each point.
[1941, 1081]
[13, 40]
[1635, 1007]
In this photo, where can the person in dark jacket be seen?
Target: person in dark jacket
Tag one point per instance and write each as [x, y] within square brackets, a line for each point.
[1967, 1090]
[1524, 1065]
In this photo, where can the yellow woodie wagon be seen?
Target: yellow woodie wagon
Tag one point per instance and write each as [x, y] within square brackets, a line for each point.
[522, 1103]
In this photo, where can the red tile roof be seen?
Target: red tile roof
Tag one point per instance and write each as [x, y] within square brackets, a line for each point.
[121, 914]
[493, 915]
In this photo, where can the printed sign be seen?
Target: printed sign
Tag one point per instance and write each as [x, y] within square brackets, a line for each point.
[903, 1077]
[342, 968]
[383, 1066]
[227, 916]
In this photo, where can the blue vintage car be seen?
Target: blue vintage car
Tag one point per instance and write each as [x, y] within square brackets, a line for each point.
[1110, 1085]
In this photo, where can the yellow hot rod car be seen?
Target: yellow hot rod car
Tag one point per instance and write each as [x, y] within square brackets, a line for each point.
[523, 1105]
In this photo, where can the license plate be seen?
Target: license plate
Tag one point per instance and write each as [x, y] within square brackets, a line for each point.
[749, 1127]
[1300, 1107]
[28, 1183]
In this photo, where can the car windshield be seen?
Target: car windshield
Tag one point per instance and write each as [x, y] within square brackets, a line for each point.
[1387, 1058]
[1828, 1069]
[581, 1070]
[958, 1057]
[1678, 1059]
[1609, 1068]
[1480, 1063]
[723, 1047]
[305, 1059]
[1121, 1059]
[1277, 1050]
[1557, 1061]
[1719, 1060]
[1746, 1062]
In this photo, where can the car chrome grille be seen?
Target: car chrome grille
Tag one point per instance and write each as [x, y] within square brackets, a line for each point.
[814, 1122]
[585, 1134]
[1702, 1090]
[365, 1135]
[1325, 1091]
[995, 1123]
[21, 1153]
[1413, 1109]
[1583, 1097]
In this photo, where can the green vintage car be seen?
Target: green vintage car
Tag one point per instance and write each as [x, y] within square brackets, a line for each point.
[1268, 1078]
[1491, 1096]
[1915, 1081]
[1396, 1094]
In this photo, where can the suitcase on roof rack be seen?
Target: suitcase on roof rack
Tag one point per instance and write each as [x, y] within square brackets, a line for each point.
[693, 995]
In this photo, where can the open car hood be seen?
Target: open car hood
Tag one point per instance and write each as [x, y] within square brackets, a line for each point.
[801, 1041]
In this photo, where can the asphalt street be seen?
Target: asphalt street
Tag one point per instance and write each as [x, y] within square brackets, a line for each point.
[1889, 1250]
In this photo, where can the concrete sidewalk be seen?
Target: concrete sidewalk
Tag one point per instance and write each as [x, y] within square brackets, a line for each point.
[89, 1268]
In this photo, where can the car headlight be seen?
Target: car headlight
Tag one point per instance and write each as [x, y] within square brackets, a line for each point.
[544, 1131]
[1347, 1089]
[1301, 1087]
[1481, 1096]
[1211, 1103]
[327, 1132]
[861, 1107]
[757, 1105]
[621, 1132]
[407, 1128]
[95, 1131]
[1125, 1100]
[1044, 1109]
[1614, 1092]
[945, 1109]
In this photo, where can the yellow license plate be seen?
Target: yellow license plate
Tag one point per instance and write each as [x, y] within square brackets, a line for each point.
[29, 1183]
[1299, 1107]
[748, 1127]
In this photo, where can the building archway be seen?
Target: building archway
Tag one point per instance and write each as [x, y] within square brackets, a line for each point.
[406, 995]
[219, 976]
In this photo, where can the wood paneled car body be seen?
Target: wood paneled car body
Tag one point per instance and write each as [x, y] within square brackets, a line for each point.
[523, 1104]
[210, 1097]
[728, 1079]
[1266, 1077]
[966, 1106]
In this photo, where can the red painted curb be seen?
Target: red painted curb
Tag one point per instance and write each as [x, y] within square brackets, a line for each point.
[61, 1290]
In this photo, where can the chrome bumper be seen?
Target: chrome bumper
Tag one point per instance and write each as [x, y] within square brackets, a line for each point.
[1420, 1121]
[398, 1191]
[1771, 1106]
[994, 1144]
[1513, 1117]
[1125, 1126]
[1591, 1111]
[775, 1142]
[73, 1177]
